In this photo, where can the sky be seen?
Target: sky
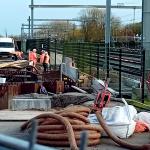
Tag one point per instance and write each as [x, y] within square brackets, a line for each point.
[13, 13]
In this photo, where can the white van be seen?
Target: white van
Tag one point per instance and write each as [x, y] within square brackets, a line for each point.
[7, 46]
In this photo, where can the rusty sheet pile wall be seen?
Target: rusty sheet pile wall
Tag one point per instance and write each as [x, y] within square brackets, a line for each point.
[7, 91]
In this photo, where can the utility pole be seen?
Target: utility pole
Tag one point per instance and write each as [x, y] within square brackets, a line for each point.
[21, 38]
[32, 18]
[6, 32]
[55, 40]
[145, 41]
[29, 28]
[146, 33]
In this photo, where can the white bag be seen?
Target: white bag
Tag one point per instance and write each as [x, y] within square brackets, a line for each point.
[30, 63]
[143, 117]
[120, 119]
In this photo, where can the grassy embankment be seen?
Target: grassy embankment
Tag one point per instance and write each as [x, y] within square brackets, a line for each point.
[138, 104]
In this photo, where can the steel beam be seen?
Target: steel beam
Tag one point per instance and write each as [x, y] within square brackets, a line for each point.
[38, 25]
[55, 19]
[84, 6]
[37, 28]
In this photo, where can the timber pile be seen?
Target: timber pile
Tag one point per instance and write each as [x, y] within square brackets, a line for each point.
[64, 127]
[16, 64]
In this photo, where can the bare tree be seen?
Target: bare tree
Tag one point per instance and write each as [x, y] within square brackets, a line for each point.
[93, 22]
[53, 29]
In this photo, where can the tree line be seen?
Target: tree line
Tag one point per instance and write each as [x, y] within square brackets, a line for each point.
[90, 27]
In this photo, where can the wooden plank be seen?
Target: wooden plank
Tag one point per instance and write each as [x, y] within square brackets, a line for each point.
[8, 64]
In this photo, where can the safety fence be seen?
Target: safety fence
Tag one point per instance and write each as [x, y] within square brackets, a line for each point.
[88, 55]
[93, 57]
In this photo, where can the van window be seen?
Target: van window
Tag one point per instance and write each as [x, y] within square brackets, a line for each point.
[6, 45]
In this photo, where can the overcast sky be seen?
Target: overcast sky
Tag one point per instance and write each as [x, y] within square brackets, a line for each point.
[15, 12]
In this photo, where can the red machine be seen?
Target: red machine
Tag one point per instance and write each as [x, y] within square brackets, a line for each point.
[103, 98]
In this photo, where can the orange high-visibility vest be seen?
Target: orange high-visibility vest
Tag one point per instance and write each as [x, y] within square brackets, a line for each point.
[42, 58]
[32, 57]
[46, 59]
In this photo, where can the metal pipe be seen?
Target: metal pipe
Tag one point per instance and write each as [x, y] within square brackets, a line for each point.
[84, 6]
[17, 144]
[33, 135]
[80, 90]
[83, 141]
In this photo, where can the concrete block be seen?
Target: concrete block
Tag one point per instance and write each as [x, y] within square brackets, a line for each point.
[31, 102]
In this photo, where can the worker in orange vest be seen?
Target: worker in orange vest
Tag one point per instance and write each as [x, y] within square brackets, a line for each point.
[42, 56]
[33, 57]
[19, 55]
[46, 61]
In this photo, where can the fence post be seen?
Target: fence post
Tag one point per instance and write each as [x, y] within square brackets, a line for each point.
[90, 58]
[55, 52]
[78, 59]
[120, 57]
[142, 73]
[107, 58]
[48, 46]
[97, 53]
[83, 56]
[64, 49]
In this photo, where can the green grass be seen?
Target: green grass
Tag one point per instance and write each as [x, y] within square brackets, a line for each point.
[147, 103]
[138, 104]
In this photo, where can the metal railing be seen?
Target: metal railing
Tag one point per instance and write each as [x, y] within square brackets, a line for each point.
[11, 143]
[122, 60]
